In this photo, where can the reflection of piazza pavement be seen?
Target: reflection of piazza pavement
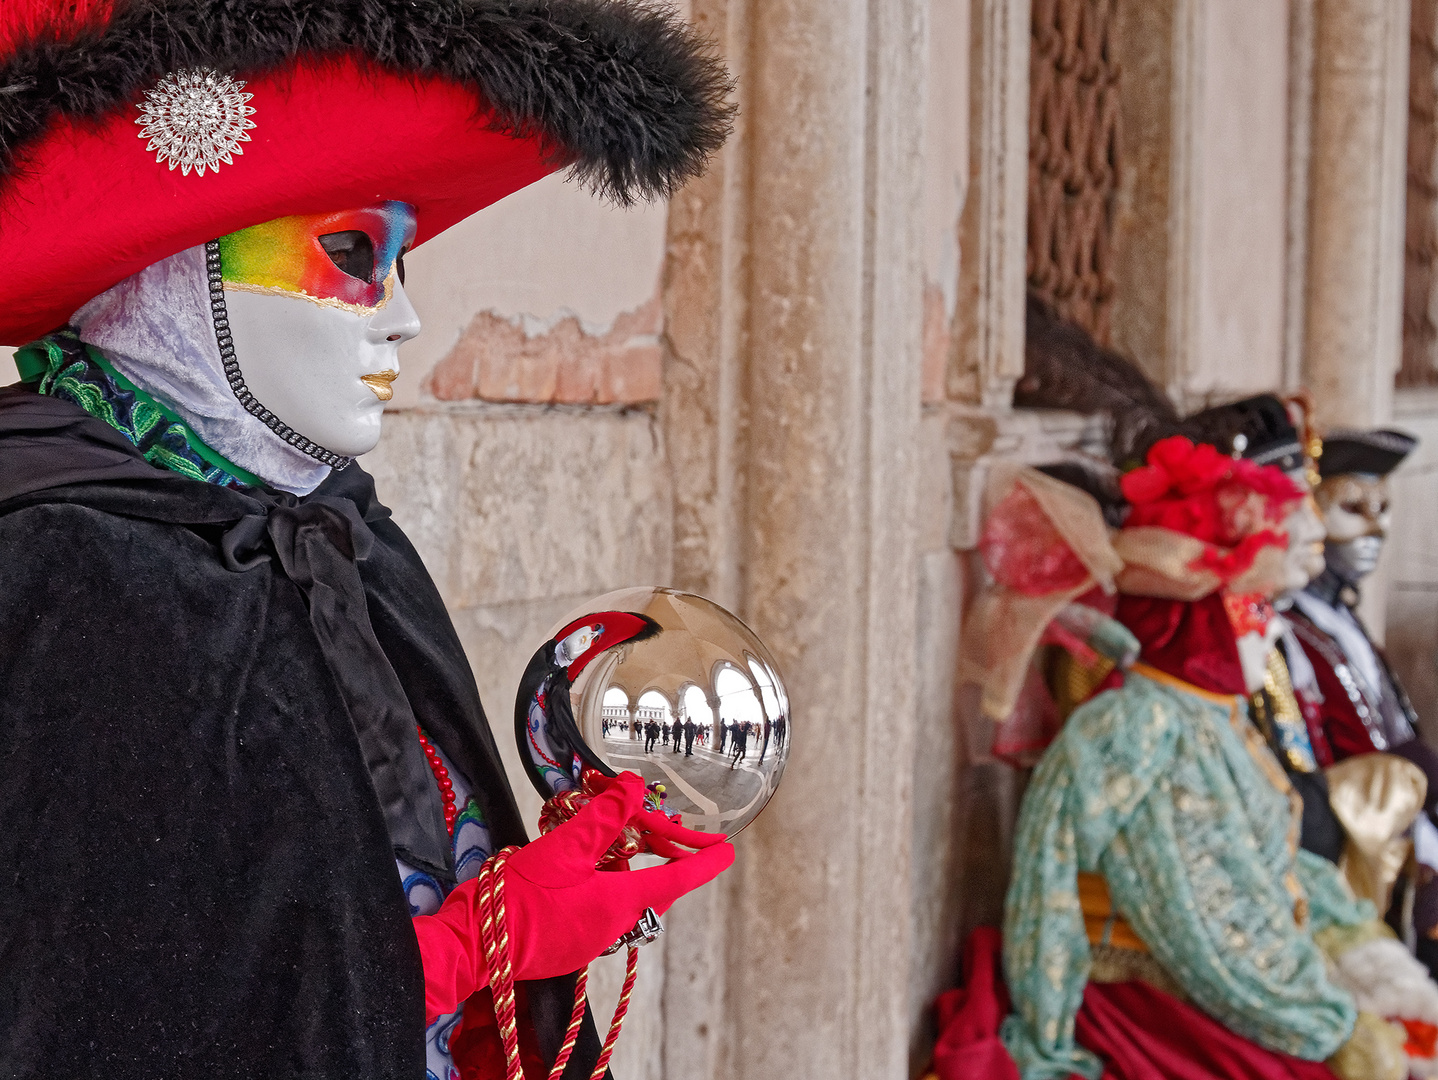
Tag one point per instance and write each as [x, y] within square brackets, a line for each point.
[696, 786]
[699, 668]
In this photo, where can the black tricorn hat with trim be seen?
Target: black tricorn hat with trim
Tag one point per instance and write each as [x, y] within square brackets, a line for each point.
[1258, 428]
[1376, 453]
[133, 129]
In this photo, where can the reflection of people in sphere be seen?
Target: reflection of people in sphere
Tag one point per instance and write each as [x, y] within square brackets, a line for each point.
[651, 735]
[690, 729]
[780, 725]
[675, 731]
[723, 734]
[764, 747]
[741, 743]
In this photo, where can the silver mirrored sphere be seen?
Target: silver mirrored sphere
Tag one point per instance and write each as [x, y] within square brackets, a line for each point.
[695, 703]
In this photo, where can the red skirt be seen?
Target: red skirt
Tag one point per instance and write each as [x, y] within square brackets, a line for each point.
[1139, 1033]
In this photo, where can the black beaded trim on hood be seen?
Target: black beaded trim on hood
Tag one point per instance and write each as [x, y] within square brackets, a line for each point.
[626, 94]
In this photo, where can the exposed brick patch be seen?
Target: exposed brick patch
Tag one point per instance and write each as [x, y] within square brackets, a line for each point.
[495, 360]
[937, 340]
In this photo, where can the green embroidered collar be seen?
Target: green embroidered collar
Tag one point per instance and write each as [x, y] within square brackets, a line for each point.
[65, 367]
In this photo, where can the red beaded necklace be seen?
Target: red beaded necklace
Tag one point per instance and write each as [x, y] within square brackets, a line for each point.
[441, 776]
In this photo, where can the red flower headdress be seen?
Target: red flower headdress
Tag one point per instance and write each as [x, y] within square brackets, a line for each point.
[1202, 521]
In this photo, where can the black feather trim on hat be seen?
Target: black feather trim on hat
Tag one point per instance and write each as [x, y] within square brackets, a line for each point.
[627, 94]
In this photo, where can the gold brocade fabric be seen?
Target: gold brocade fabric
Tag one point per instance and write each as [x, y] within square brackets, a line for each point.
[1276, 711]
[1337, 940]
[1102, 923]
[1110, 964]
[1117, 953]
[1376, 798]
[1072, 682]
[1373, 1052]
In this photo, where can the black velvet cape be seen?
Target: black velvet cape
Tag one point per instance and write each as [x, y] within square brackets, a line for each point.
[198, 876]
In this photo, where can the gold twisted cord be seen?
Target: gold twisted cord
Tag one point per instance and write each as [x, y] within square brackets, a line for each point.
[494, 939]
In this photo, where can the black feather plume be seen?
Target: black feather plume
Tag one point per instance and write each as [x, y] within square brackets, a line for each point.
[1064, 368]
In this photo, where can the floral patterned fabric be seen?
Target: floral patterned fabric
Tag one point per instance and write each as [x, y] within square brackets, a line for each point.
[61, 366]
[1160, 789]
[472, 846]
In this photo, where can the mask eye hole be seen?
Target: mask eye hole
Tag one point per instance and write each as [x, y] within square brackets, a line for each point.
[399, 265]
[352, 251]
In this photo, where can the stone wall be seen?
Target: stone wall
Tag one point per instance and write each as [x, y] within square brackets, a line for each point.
[1410, 562]
[784, 389]
[522, 513]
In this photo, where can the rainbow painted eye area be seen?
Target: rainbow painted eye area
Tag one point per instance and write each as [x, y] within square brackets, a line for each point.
[347, 259]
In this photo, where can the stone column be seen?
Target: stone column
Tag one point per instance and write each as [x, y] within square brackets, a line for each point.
[1358, 179]
[1200, 249]
[834, 355]
[794, 295]
[989, 354]
[705, 293]
[1353, 336]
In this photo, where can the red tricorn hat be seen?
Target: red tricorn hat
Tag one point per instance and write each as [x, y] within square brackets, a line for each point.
[134, 129]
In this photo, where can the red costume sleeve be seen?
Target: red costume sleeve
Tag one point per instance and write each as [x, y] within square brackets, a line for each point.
[1342, 728]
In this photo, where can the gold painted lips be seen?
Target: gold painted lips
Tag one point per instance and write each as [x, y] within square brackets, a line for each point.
[380, 382]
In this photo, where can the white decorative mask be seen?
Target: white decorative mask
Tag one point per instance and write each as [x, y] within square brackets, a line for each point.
[1306, 532]
[291, 378]
[1357, 515]
[317, 312]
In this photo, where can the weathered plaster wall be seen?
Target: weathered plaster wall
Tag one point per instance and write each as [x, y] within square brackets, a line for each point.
[548, 296]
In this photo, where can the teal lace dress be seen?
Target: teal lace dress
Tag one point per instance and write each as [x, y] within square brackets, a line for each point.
[1165, 791]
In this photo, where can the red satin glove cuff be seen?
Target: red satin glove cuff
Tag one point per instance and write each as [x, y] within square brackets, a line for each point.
[449, 943]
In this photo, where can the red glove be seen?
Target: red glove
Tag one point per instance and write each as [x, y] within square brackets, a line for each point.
[561, 911]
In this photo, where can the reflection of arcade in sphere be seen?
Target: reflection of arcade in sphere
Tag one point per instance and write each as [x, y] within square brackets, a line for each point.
[698, 708]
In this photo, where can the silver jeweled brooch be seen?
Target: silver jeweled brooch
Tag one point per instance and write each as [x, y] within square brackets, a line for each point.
[196, 119]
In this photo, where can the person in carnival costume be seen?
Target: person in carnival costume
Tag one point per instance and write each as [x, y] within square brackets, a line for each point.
[245, 778]
[1161, 908]
[1357, 816]
[1364, 714]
